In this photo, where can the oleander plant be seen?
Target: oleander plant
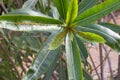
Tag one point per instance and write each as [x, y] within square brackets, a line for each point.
[68, 25]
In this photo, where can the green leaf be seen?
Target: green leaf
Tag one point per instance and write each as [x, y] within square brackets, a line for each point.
[97, 12]
[27, 12]
[30, 4]
[42, 5]
[62, 6]
[71, 35]
[57, 41]
[27, 15]
[112, 38]
[113, 27]
[86, 4]
[29, 26]
[86, 75]
[33, 42]
[72, 12]
[83, 49]
[91, 37]
[55, 12]
[74, 65]
[42, 61]
[52, 67]
[62, 71]
[28, 19]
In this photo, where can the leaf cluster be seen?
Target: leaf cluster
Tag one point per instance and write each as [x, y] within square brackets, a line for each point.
[69, 23]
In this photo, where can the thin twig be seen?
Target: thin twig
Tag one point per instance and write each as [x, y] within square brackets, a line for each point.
[3, 7]
[113, 17]
[109, 62]
[94, 66]
[115, 21]
[9, 58]
[101, 62]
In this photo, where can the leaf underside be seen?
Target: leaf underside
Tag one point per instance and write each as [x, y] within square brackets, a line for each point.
[74, 65]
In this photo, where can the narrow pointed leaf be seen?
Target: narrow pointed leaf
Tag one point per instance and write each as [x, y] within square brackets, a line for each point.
[52, 67]
[42, 5]
[112, 38]
[74, 65]
[113, 27]
[29, 4]
[83, 49]
[55, 12]
[33, 42]
[97, 12]
[86, 4]
[57, 41]
[27, 15]
[28, 18]
[29, 26]
[62, 6]
[86, 75]
[42, 62]
[91, 37]
[62, 71]
[27, 12]
[72, 11]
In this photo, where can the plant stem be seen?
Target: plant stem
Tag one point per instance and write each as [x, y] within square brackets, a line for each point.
[118, 76]
[94, 67]
[3, 7]
[101, 61]
[115, 21]
[109, 62]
